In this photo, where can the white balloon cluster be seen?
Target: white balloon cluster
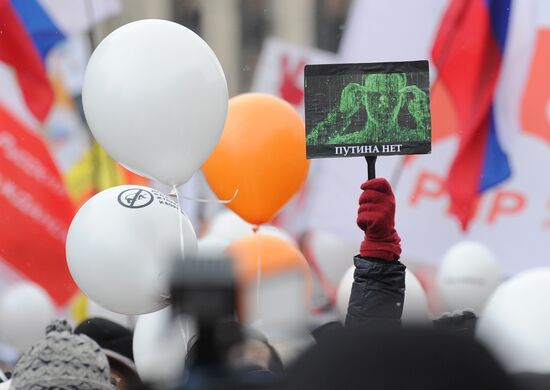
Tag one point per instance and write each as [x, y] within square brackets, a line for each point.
[155, 98]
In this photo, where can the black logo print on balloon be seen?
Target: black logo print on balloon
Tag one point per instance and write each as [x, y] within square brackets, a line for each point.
[135, 198]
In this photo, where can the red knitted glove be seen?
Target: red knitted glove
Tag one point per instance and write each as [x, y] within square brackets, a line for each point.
[376, 217]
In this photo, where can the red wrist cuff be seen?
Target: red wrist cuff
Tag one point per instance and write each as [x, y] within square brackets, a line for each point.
[388, 250]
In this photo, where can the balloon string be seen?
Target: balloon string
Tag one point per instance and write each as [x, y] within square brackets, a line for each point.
[184, 332]
[256, 231]
[175, 193]
[204, 200]
[165, 298]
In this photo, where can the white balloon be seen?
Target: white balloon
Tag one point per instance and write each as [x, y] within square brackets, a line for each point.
[212, 247]
[415, 307]
[515, 323]
[332, 254]
[344, 292]
[271, 230]
[160, 346]
[25, 311]
[143, 174]
[155, 97]
[121, 245]
[467, 276]
[95, 310]
[228, 226]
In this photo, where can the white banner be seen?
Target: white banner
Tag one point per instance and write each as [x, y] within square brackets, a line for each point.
[512, 219]
[280, 69]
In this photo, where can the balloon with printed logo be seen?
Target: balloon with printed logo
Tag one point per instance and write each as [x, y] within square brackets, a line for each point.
[155, 98]
[121, 245]
[261, 157]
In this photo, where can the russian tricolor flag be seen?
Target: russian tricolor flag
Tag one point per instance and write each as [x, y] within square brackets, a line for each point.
[468, 53]
[29, 29]
[26, 35]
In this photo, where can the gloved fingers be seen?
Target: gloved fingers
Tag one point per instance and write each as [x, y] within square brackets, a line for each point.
[375, 197]
[376, 228]
[377, 209]
[379, 184]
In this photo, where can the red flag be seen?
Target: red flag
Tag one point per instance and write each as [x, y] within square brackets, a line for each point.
[35, 210]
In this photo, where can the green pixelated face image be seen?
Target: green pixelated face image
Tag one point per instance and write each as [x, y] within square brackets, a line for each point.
[382, 108]
[381, 97]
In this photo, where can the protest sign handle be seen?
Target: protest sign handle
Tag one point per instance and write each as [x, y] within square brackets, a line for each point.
[371, 169]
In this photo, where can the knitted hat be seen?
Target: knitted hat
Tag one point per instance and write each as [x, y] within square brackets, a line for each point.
[63, 361]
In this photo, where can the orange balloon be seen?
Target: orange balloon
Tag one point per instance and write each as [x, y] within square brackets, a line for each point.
[273, 254]
[275, 257]
[262, 154]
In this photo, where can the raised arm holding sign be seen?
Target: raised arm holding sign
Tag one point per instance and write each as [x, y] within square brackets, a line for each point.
[371, 110]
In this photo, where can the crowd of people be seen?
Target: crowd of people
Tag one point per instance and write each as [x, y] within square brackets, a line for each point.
[371, 350]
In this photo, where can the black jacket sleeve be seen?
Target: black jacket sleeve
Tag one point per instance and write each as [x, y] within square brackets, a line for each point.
[377, 293]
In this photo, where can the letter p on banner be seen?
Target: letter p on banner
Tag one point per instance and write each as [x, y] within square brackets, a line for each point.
[505, 203]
